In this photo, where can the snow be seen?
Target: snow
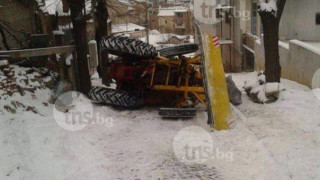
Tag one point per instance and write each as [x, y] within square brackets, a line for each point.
[129, 27]
[317, 93]
[288, 129]
[4, 62]
[167, 12]
[273, 87]
[58, 32]
[69, 60]
[314, 43]
[160, 39]
[53, 6]
[268, 6]
[274, 141]
[284, 45]
[307, 46]
[154, 32]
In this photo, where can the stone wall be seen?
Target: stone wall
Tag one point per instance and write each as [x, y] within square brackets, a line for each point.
[300, 62]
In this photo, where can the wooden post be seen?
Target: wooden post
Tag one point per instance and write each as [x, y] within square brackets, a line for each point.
[93, 52]
[74, 72]
[58, 40]
[80, 36]
[104, 60]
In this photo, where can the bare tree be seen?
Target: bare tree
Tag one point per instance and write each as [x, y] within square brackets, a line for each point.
[270, 12]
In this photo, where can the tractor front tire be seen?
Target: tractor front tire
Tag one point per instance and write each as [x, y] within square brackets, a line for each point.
[115, 98]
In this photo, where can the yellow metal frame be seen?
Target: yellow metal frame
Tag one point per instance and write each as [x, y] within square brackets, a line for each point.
[197, 91]
[213, 94]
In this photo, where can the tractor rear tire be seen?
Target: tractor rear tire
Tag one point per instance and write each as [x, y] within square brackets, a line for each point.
[178, 50]
[115, 98]
[127, 47]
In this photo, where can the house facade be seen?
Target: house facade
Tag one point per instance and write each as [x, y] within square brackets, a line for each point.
[18, 26]
[175, 20]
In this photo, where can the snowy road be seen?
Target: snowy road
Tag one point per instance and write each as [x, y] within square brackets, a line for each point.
[137, 145]
[277, 141]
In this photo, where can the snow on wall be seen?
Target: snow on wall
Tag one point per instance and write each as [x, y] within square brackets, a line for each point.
[306, 46]
[300, 62]
[284, 45]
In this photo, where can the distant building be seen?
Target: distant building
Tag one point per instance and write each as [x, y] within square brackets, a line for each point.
[175, 20]
[19, 19]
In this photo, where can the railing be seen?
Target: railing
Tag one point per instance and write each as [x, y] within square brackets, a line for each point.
[28, 53]
[25, 53]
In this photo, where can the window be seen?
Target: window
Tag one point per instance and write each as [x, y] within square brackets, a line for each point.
[318, 19]
[179, 23]
[254, 19]
[180, 14]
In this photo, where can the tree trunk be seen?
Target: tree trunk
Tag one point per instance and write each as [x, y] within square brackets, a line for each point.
[102, 17]
[271, 46]
[271, 21]
[80, 38]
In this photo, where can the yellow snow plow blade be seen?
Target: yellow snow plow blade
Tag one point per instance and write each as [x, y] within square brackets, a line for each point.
[215, 83]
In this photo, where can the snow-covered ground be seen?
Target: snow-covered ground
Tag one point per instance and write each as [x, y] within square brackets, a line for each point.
[275, 141]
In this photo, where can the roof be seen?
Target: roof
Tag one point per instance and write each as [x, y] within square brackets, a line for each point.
[181, 10]
[156, 39]
[171, 10]
[130, 27]
[166, 12]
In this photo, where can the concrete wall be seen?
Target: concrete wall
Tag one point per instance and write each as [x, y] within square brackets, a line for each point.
[300, 62]
[305, 63]
[299, 20]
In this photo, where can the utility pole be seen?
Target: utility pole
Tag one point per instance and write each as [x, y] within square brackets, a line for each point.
[147, 21]
[80, 38]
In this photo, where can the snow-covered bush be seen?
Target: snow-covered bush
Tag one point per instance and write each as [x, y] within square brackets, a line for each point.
[260, 91]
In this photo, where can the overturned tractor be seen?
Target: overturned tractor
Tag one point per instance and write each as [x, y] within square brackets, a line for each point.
[167, 77]
[146, 76]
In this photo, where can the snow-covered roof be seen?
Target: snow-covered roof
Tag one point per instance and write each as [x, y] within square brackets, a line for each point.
[129, 27]
[166, 12]
[154, 32]
[171, 10]
[181, 10]
[156, 39]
